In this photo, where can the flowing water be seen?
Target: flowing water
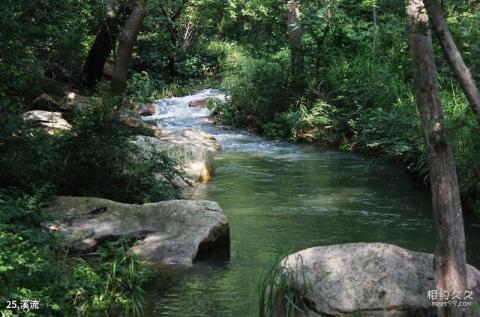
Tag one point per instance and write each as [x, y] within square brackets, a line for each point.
[280, 198]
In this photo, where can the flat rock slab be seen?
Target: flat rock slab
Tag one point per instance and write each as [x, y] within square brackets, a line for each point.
[168, 233]
[368, 279]
[49, 120]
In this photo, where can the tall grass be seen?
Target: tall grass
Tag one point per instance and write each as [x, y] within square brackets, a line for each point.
[284, 291]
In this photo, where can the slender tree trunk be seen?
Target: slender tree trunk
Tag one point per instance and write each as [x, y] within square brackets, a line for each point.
[102, 46]
[317, 60]
[125, 48]
[375, 26]
[188, 34]
[454, 58]
[295, 36]
[172, 56]
[172, 17]
[449, 262]
[172, 60]
[319, 42]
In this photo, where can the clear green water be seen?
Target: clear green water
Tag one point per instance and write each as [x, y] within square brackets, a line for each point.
[280, 198]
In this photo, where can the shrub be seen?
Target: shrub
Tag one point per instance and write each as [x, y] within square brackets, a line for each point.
[28, 158]
[98, 160]
[31, 262]
[258, 88]
[304, 122]
[94, 158]
[144, 87]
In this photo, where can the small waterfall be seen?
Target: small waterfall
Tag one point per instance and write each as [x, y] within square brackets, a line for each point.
[175, 114]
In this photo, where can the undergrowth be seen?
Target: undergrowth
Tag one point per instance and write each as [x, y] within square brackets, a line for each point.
[284, 291]
[33, 266]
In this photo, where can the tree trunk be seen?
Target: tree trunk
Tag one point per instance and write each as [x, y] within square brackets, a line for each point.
[454, 58]
[449, 262]
[319, 42]
[172, 16]
[172, 56]
[172, 59]
[102, 46]
[125, 48]
[317, 60]
[375, 26]
[295, 36]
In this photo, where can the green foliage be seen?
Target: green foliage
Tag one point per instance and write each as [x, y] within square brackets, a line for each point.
[28, 158]
[94, 158]
[37, 32]
[227, 113]
[258, 87]
[113, 285]
[145, 87]
[360, 95]
[31, 263]
[142, 86]
[317, 122]
[99, 160]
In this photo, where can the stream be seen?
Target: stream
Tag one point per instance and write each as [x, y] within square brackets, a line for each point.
[281, 197]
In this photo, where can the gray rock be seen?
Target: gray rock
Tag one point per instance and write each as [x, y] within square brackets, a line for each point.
[146, 109]
[194, 150]
[195, 158]
[134, 121]
[167, 233]
[47, 102]
[367, 279]
[198, 103]
[75, 101]
[192, 137]
[139, 108]
[50, 121]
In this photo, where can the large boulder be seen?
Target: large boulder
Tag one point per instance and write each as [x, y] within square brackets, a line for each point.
[366, 279]
[193, 150]
[168, 233]
[51, 122]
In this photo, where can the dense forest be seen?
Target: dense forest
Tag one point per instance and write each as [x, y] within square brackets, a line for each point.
[331, 72]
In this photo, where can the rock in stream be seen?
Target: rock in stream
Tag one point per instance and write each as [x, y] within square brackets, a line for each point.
[367, 279]
[168, 233]
[192, 149]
